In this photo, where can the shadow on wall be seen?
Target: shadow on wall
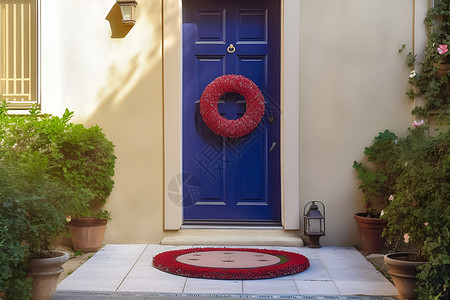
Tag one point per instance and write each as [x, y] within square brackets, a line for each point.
[118, 29]
[130, 110]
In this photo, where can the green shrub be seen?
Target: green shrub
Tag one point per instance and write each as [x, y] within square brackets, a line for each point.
[420, 211]
[80, 157]
[49, 168]
[86, 164]
[378, 178]
[31, 216]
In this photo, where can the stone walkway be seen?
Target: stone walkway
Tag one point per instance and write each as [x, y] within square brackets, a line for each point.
[128, 268]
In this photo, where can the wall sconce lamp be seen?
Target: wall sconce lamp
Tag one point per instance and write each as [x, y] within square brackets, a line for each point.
[314, 223]
[128, 11]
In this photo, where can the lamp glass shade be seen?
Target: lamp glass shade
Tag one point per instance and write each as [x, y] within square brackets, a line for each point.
[314, 226]
[128, 13]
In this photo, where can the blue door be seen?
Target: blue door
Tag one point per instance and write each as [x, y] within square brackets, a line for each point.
[229, 180]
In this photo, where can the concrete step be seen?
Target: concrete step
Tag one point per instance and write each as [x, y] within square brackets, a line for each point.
[234, 237]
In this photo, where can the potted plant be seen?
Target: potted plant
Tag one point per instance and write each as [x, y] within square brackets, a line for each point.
[377, 178]
[31, 216]
[49, 167]
[86, 164]
[419, 216]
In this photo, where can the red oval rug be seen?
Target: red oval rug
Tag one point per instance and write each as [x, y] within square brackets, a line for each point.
[231, 263]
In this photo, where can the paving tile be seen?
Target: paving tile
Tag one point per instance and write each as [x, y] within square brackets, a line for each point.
[124, 248]
[145, 260]
[313, 273]
[150, 272]
[356, 275]
[326, 253]
[196, 285]
[308, 252]
[333, 271]
[317, 287]
[366, 288]
[333, 264]
[145, 284]
[161, 248]
[89, 284]
[113, 259]
[95, 271]
[270, 286]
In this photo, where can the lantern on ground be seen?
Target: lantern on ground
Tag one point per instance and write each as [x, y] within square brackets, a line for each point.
[314, 223]
[128, 11]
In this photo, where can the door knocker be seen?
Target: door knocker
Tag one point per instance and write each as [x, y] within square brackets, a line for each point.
[231, 48]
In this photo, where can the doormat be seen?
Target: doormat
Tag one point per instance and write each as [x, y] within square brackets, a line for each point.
[230, 263]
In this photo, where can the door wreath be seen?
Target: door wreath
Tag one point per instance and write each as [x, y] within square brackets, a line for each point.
[232, 84]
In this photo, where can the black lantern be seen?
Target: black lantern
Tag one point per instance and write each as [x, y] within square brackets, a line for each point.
[314, 223]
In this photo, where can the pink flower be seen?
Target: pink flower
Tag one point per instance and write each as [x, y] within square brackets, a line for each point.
[406, 237]
[426, 223]
[417, 124]
[442, 49]
[391, 198]
[68, 218]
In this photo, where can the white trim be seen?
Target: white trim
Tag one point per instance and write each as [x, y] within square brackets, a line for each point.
[290, 114]
[172, 96]
[172, 93]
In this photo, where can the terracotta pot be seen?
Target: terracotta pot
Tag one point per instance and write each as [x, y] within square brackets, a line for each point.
[443, 69]
[403, 272]
[370, 230]
[45, 273]
[87, 233]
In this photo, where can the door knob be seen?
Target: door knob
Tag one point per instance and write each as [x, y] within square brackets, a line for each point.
[231, 48]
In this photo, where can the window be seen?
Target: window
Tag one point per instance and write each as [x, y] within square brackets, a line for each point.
[18, 53]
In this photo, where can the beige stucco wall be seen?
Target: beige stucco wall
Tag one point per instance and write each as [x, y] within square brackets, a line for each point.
[116, 83]
[351, 85]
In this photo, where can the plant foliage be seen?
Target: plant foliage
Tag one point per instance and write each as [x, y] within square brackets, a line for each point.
[420, 211]
[378, 178]
[411, 176]
[425, 82]
[49, 168]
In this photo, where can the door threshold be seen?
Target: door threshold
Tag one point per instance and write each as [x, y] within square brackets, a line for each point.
[231, 227]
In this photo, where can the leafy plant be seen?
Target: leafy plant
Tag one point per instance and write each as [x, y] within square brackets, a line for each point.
[49, 168]
[30, 217]
[378, 178]
[85, 162]
[420, 211]
[79, 157]
[426, 83]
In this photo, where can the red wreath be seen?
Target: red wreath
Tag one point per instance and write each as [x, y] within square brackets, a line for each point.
[292, 263]
[232, 84]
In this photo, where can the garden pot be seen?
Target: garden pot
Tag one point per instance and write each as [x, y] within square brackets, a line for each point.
[403, 270]
[443, 69]
[87, 233]
[370, 230]
[45, 274]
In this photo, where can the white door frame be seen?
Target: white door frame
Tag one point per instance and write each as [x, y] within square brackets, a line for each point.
[172, 94]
